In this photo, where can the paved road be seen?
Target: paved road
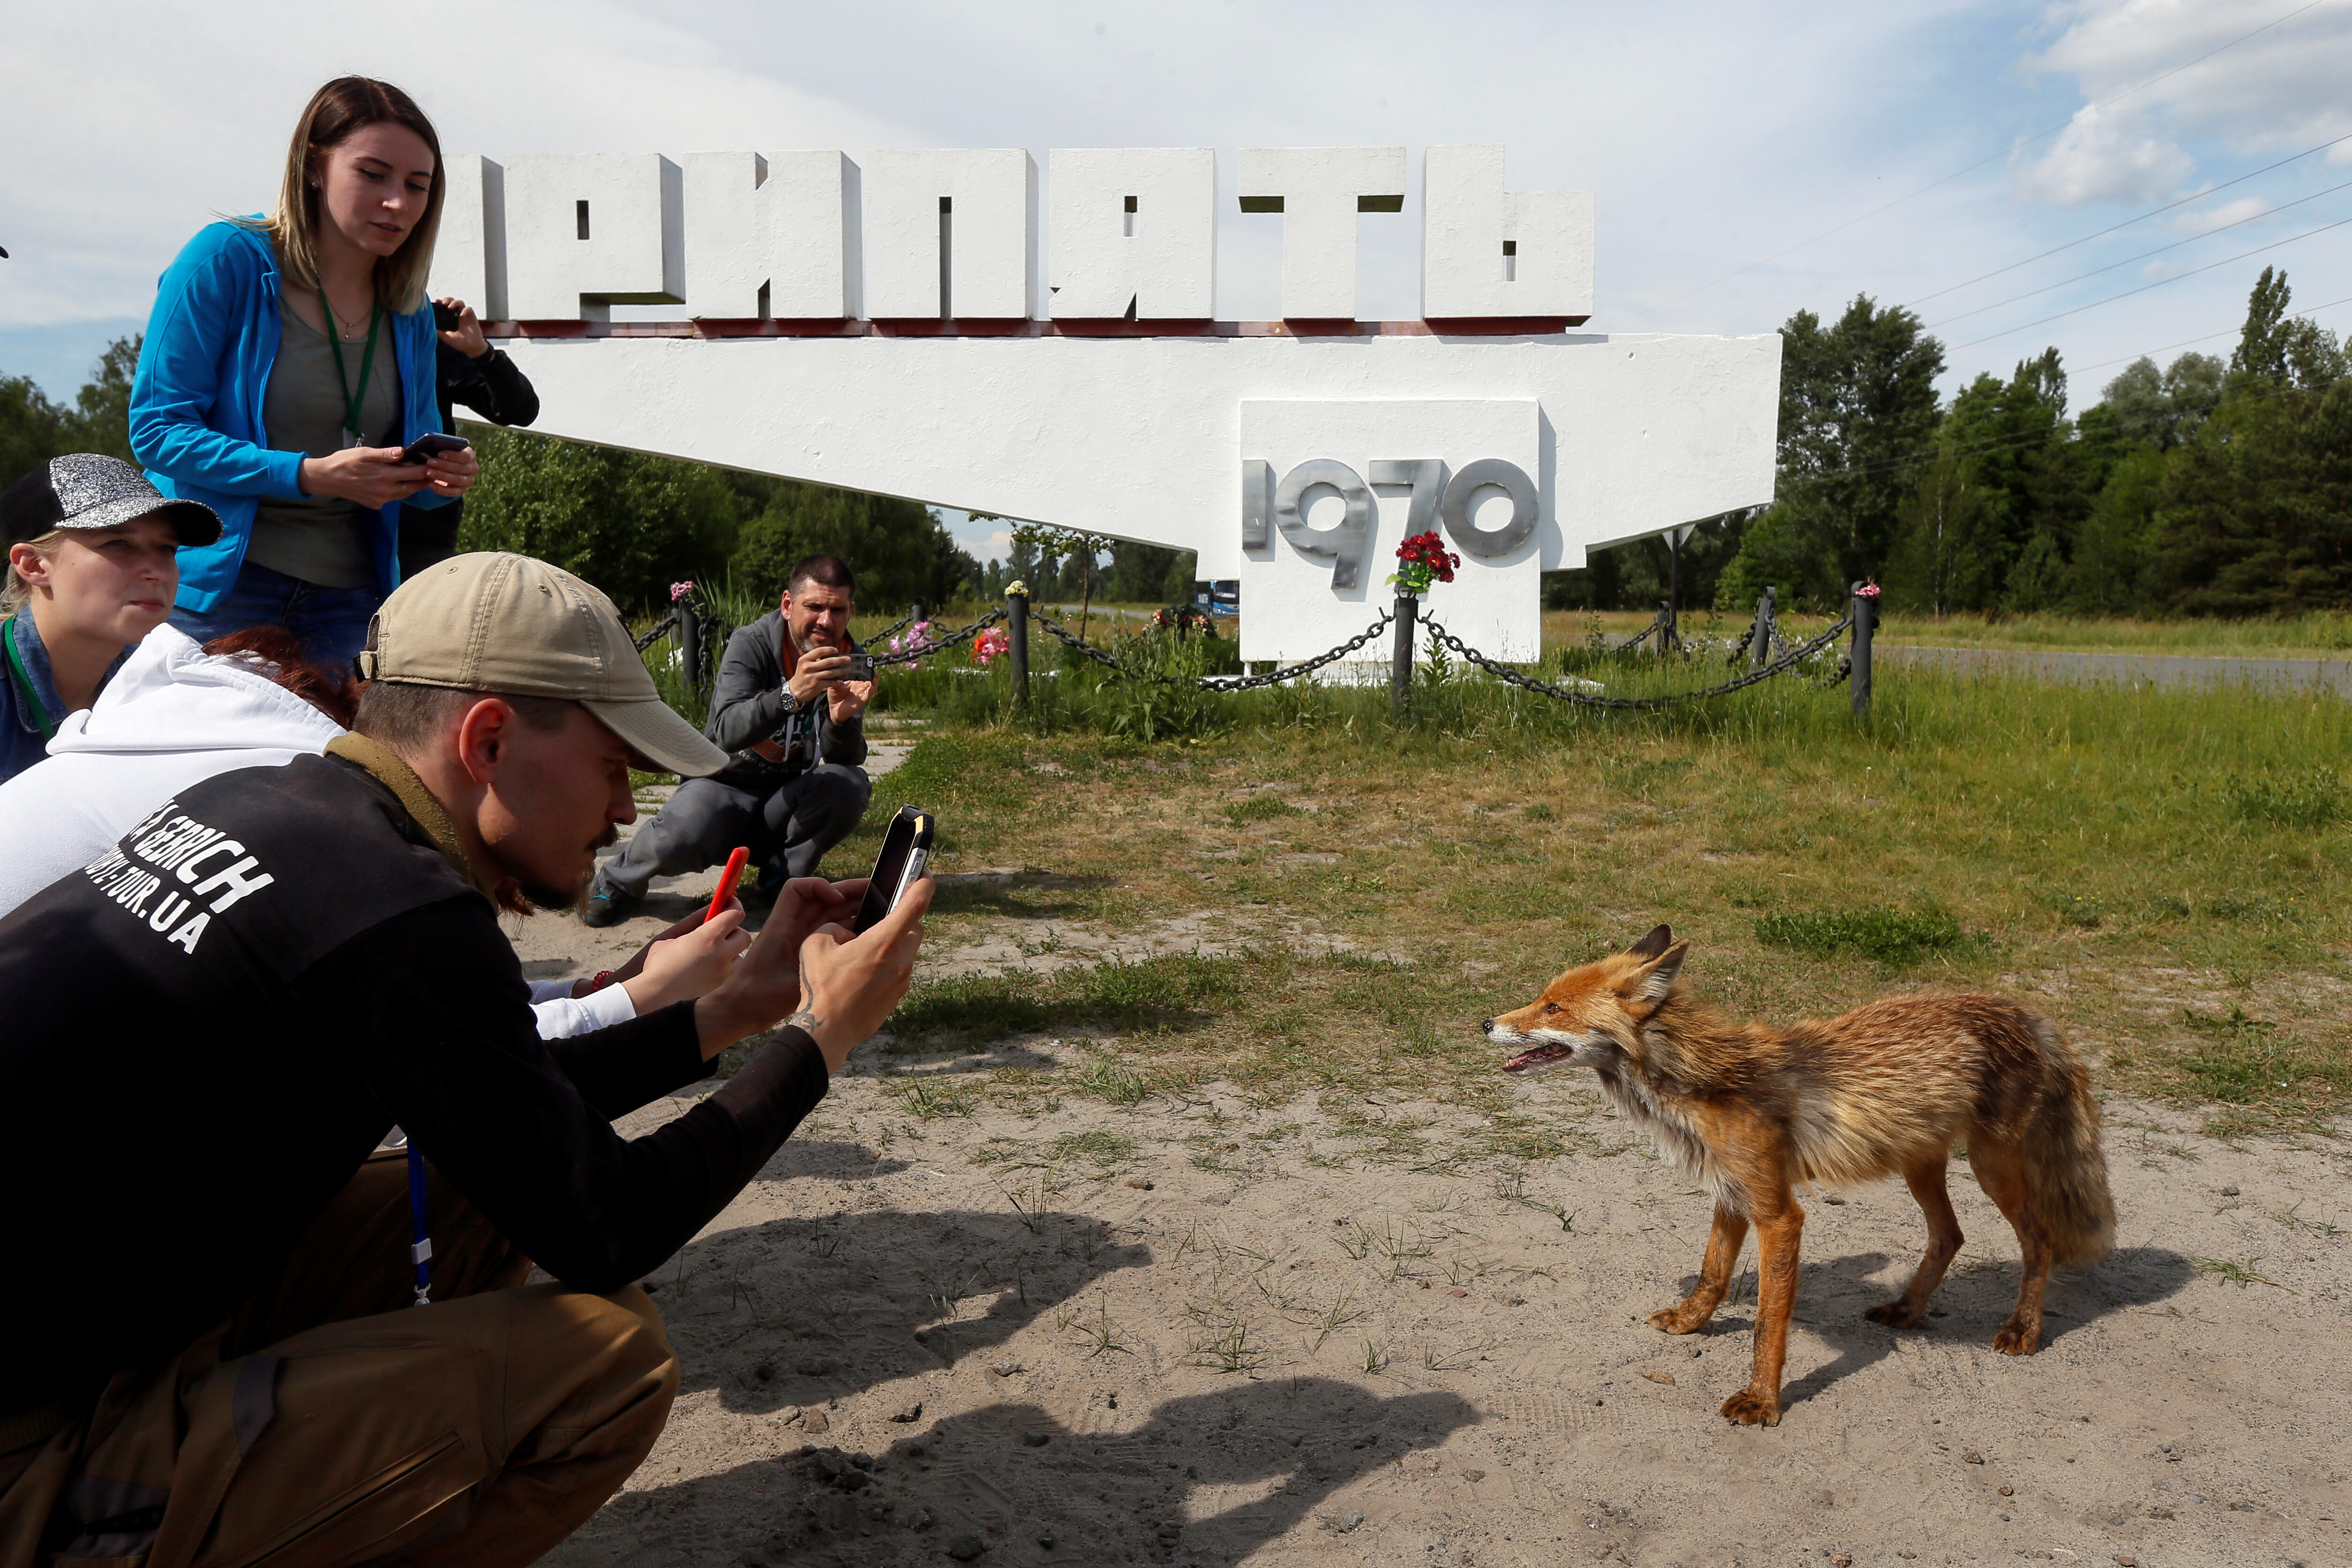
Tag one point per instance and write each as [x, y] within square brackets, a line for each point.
[2333, 675]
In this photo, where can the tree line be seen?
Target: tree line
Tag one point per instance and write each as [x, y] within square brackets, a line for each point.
[2205, 487]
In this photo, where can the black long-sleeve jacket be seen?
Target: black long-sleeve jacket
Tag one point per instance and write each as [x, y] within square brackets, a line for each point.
[748, 706]
[210, 1027]
[491, 386]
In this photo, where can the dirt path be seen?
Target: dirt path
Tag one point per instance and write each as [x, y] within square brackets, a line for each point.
[1201, 1329]
[1033, 1345]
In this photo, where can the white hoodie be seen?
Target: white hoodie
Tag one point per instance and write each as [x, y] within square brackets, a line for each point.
[174, 716]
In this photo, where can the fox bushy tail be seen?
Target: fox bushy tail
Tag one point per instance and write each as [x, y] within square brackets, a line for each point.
[2068, 1191]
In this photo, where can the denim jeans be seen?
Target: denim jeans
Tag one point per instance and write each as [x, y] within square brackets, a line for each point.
[330, 622]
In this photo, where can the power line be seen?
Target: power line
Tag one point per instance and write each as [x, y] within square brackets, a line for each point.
[2209, 337]
[1995, 158]
[2160, 283]
[2152, 212]
[2143, 256]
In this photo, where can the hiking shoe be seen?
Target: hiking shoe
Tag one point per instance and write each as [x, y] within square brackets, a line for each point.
[607, 905]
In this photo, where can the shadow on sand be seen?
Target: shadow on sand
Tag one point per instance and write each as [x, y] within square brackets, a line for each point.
[1254, 1461]
[1832, 1294]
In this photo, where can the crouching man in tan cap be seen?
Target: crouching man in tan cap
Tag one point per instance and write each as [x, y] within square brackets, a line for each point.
[217, 1359]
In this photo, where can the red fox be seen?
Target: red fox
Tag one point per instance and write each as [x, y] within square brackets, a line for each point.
[1886, 1089]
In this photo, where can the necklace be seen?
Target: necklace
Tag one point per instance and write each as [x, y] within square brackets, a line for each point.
[347, 329]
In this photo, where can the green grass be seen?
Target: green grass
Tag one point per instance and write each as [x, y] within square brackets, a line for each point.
[1173, 992]
[1891, 936]
[2093, 850]
[2292, 797]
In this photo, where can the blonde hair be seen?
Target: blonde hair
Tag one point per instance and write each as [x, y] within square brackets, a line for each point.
[341, 107]
[17, 592]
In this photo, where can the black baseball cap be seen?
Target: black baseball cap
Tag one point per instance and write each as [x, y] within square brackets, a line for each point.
[84, 490]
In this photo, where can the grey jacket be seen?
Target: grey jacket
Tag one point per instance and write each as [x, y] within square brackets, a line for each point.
[748, 706]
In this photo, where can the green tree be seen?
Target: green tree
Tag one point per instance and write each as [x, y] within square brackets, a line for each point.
[627, 522]
[2162, 408]
[2256, 515]
[2262, 343]
[1949, 550]
[2118, 537]
[31, 428]
[1858, 409]
[899, 548]
[100, 418]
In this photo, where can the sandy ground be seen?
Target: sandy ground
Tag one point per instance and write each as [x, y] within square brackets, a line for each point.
[1200, 1331]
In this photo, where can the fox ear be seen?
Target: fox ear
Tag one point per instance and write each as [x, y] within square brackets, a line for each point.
[1657, 942]
[1656, 983]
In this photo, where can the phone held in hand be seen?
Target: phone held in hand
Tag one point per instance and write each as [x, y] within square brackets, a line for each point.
[444, 320]
[425, 448]
[861, 667]
[906, 849]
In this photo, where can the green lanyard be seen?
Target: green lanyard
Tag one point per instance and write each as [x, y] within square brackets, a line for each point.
[33, 704]
[358, 394]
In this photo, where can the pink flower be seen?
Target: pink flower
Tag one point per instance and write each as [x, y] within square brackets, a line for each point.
[679, 591]
[995, 640]
[1868, 591]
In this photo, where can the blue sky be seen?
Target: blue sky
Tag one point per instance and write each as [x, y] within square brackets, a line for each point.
[1724, 140]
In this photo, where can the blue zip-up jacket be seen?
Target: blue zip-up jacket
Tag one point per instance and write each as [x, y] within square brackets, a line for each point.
[195, 403]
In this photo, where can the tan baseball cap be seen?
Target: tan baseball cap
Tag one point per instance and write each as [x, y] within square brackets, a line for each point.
[508, 623]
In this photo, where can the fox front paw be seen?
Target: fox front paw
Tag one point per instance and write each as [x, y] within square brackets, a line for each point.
[2018, 1339]
[1896, 1314]
[1682, 1320]
[1749, 1408]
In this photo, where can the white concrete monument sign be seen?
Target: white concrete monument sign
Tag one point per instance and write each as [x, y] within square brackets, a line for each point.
[877, 323]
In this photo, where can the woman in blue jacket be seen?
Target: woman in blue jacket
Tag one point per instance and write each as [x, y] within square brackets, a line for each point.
[288, 361]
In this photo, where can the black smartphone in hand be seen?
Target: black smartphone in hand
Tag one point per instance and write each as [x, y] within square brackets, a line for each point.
[425, 448]
[905, 850]
[444, 320]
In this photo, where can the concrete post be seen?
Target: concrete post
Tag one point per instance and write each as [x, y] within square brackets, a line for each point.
[1760, 641]
[1669, 639]
[689, 643]
[1016, 627]
[1865, 614]
[1400, 658]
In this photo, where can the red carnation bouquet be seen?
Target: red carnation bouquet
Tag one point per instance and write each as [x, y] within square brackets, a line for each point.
[1424, 559]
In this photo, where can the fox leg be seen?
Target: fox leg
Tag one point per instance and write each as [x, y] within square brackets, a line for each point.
[2002, 1175]
[1722, 1244]
[1925, 1181]
[1780, 1225]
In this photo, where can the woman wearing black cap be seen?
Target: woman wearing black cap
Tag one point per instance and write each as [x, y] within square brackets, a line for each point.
[92, 564]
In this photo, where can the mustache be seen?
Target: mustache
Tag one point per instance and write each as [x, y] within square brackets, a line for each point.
[610, 836]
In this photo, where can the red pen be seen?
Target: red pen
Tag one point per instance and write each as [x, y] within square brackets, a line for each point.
[725, 889]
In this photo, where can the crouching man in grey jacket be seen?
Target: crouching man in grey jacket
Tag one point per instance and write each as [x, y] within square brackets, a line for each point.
[793, 728]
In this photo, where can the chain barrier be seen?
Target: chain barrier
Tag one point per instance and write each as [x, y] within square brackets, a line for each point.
[658, 630]
[932, 646]
[1291, 672]
[1219, 683]
[1510, 676]
[886, 634]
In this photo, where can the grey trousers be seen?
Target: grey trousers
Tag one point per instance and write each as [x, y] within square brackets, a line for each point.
[705, 820]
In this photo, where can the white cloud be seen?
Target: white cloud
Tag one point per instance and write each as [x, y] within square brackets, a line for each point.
[2276, 91]
[2206, 220]
[2105, 156]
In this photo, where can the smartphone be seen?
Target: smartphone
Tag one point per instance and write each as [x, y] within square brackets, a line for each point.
[444, 320]
[426, 447]
[861, 667]
[906, 849]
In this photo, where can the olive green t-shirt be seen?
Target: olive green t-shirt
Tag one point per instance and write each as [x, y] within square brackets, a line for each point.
[318, 539]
